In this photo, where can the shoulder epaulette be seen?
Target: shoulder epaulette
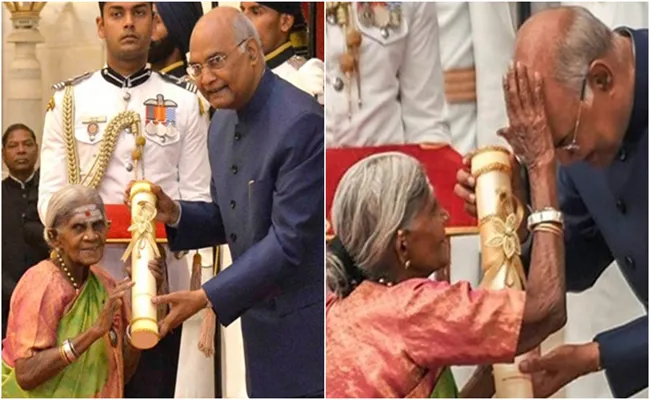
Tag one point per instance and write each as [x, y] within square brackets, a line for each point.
[71, 81]
[180, 82]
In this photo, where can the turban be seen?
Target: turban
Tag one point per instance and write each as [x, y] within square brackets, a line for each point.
[179, 19]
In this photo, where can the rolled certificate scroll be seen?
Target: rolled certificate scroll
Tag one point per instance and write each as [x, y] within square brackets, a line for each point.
[142, 249]
[500, 215]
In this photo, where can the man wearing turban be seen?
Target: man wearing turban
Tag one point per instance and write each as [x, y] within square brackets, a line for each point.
[173, 25]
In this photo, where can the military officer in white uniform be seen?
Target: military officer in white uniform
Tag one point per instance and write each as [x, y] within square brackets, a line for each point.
[283, 31]
[90, 135]
[175, 154]
[384, 84]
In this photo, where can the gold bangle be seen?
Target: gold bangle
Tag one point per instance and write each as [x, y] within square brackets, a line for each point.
[63, 356]
[73, 350]
[70, 354]
[548, 227]
[552, 224]
[127, 333]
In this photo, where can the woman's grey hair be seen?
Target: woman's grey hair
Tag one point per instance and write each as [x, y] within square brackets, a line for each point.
[376, 197]
[244, 29]
[64, 202]
[586, 39]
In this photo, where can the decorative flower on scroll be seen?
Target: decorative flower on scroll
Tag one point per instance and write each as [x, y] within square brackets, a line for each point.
[142, 230]
[505, 224]
[142, 221]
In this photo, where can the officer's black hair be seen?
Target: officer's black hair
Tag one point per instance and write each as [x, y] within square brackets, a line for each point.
[15, 127]
[102, 3]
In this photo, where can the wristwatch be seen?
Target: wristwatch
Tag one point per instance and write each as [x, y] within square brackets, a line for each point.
[547, 214]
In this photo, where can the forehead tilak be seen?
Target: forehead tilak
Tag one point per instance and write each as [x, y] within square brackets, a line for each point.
[88, 211]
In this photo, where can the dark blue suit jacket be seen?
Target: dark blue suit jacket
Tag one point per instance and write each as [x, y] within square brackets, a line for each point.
[606, 219]
[268, 204]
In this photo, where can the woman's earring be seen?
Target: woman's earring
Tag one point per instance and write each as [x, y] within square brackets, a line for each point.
[407, 264]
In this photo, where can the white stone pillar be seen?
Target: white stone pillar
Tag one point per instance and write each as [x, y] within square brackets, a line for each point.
[23, 86]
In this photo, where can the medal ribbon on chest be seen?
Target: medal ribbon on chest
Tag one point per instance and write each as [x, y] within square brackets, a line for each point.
[380, 14]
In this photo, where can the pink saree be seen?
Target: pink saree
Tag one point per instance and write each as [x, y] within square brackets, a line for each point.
[395, 341]
[45, 310]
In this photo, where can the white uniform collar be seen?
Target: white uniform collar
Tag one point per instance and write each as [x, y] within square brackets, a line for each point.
[138, 78]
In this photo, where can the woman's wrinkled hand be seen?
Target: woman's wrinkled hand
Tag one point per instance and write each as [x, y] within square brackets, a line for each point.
[529, 134]
[112, 305]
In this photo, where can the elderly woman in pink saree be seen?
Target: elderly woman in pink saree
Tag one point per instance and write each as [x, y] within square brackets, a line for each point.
[66, 334]
[391, 331]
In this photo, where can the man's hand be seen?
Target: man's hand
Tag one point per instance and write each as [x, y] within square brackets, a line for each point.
[551, 372]
[184, 304]
[166, 207]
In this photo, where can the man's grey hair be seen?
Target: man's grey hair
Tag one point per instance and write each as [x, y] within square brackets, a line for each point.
[376, 197]
[586, 39]
[244, 29]
[64, 202]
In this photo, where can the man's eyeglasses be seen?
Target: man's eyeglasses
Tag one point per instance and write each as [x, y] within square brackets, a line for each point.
[213, 63]
[573, 145]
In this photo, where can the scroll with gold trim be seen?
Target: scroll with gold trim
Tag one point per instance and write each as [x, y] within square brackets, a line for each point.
[500, 214]
[142, 249]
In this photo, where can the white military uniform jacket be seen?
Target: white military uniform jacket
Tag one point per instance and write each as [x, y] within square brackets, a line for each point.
[306, 75]
[175, 158]
[476, 45]
[402, 96]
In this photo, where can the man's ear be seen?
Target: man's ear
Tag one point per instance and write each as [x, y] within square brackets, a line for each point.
[286, 22]
[253, 50]
[600, 76]
[99, 21]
